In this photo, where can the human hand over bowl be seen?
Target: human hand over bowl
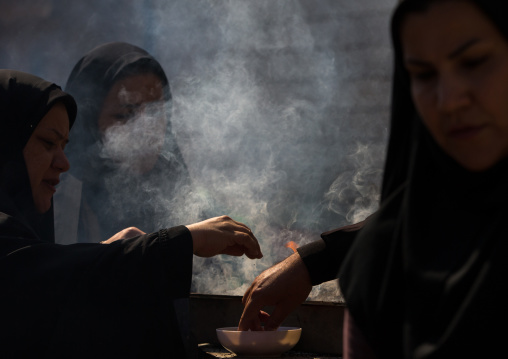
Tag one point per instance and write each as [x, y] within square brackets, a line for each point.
[259, 343]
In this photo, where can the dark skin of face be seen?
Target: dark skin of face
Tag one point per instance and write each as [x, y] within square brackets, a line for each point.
[44, 155]
[458, 69]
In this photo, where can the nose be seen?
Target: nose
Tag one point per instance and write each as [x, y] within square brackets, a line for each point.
[60, 161]
[452, 94]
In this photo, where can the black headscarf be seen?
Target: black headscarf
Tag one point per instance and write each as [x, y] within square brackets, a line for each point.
[425, 278]
[24, 101]
[127, 299]
[120, 199]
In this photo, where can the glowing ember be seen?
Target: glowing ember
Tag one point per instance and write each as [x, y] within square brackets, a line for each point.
[292, 245]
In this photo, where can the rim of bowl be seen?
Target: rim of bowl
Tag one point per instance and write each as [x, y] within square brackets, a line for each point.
[280, 329]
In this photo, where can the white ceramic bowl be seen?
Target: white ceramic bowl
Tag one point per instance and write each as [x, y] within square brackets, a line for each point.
[259, 343]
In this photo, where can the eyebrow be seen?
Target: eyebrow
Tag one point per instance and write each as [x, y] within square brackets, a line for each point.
[60, 135]
[459, 50]
[462, 48]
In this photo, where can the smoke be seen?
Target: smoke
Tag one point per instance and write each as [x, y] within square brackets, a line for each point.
[135, 143]
[280, 110]
[356, 191]
[259, 147]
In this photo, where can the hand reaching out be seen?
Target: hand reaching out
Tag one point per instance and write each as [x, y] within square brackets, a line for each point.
[285, 285]
[223, 235]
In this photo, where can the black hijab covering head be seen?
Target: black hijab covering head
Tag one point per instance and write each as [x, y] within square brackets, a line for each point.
[420, 279]
[24, 101]
[108, 190]
[90, 82]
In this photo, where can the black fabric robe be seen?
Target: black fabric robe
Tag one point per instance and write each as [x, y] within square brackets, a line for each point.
[324, 257]
[128, 299]
[425, 277]
[144, 201]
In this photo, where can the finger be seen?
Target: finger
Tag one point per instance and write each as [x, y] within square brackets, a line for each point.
[250, 322]
[247, 294]
[250, 245]
[277, 317]
[234, 250]
[229, 224]
[243, 225]
[250, 316]
[233, 225]
[238, 250]
[263, 316]
[254, 325]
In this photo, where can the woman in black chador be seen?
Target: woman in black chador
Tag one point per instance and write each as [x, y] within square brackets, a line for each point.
[126, 298]
[426, 276]
[123, 150]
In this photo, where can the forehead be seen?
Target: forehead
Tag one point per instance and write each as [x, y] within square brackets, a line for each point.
[56, 119]
[136, 89]
[443, 27]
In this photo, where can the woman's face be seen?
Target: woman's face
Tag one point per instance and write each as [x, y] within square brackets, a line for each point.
[458, 65]
[44, 155]
[133, 122]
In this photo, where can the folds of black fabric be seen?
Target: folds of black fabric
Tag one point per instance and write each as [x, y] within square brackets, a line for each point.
[93, 300]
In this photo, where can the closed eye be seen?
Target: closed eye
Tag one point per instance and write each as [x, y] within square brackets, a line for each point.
[423, 75]
[123, 117]
[474, 62]
[419, 70]
[48, 143]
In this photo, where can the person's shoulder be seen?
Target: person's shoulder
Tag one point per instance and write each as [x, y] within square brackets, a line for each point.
[12, 224]
[14, 234]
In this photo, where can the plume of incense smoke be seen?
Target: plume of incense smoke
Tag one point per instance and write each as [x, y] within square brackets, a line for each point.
[251, 155]
[280, 108]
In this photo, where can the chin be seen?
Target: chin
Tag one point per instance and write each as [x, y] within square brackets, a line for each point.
[477, 166]
[43, 206]
[477, 159]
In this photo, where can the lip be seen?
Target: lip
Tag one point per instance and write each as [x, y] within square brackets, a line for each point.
[51, 183]
[465, 132]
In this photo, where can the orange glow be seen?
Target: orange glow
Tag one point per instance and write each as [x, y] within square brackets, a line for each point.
[292, 245]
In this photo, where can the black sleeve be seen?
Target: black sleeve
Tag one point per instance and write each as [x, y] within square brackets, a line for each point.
[324, 257]
[96, 300]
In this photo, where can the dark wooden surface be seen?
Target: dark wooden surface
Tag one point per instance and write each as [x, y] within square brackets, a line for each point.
[211, 351]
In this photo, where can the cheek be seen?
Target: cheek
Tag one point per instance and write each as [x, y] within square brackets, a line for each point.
[160, 129]
[421, 100]
[105, 122]
[37, 169]
[32, 167]
[425, 105]
[494, 99]
[151, 131]
[491, 89]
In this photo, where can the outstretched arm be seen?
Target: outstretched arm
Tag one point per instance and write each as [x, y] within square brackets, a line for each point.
[218, 235]
[288, 283]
